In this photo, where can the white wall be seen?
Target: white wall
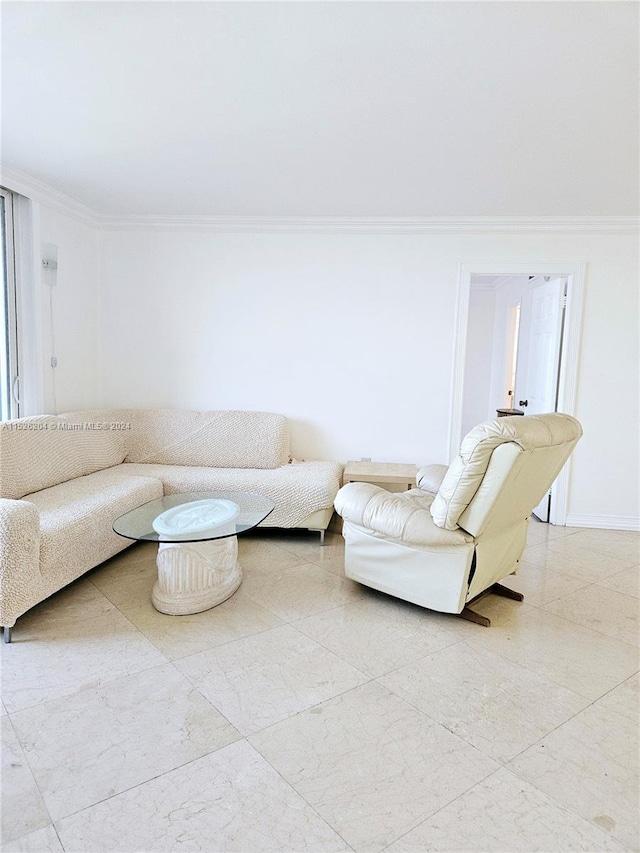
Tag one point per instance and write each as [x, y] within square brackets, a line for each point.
[340, 333]
[75, 382]
[352, 337]
[606, 462]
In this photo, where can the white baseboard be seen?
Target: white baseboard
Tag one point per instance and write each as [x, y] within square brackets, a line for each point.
[606, 522]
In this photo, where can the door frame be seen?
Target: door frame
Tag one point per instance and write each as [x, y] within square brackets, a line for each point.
[11, 313]
[570, 351]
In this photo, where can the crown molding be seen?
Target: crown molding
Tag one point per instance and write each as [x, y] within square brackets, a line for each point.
[36, 190]
[374, 224]
[39, 191]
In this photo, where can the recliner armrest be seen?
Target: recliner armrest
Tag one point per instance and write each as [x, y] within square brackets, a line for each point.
[404, 518]
[429, 478]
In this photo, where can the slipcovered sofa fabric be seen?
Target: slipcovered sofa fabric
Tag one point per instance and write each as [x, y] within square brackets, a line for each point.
[64, 479]
[39, 452]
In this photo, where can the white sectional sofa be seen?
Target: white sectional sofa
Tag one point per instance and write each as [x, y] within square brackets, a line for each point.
[65, 478]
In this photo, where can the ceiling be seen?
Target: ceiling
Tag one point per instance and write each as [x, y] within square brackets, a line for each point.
[326, 108]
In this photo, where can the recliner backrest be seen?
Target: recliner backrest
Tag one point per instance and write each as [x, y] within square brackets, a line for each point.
[505, 466]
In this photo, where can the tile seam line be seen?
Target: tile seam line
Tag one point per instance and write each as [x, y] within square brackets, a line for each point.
[85, 689]
[238, 639]
[144, 781]
[581, 624]
[500, 761]
[286, 781]
[623, 847]
[150, 779]
[35, 782]
[444, 806]
[297, 618]
[102, 683]
[228, 642]
[366, 674]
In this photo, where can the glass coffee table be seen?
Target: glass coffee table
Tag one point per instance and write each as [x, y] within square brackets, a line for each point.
[197, 545]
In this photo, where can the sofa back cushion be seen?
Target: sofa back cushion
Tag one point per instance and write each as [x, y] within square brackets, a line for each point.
[227, 439]
[42, 451]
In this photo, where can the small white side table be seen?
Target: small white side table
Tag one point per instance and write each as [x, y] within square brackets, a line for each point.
[392, 476]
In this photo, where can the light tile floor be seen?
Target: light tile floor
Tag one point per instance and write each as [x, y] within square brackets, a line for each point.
[307, 713]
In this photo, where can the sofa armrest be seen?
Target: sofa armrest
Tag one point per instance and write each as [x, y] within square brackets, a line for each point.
[429, 478]
[20, 579]
[403, 518]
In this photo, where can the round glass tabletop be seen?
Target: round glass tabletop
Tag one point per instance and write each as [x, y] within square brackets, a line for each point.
[194, 517]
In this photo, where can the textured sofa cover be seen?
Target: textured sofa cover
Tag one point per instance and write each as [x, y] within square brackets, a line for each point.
[65, 478]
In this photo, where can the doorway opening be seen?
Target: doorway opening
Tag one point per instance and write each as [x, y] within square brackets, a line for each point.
[517, 342]
[511, 356]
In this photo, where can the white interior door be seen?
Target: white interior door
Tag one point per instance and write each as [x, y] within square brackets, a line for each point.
[539, 355]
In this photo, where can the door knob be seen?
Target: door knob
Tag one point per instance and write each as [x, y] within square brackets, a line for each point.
[523, 403]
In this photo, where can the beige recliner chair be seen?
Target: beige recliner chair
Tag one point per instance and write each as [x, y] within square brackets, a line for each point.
[464, 528]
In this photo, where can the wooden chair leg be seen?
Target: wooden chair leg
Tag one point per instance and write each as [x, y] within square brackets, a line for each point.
[471, 616]
[505, 592]
[497, 588]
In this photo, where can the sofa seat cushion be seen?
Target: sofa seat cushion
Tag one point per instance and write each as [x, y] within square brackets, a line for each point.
[76, 519]
[297, 489]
